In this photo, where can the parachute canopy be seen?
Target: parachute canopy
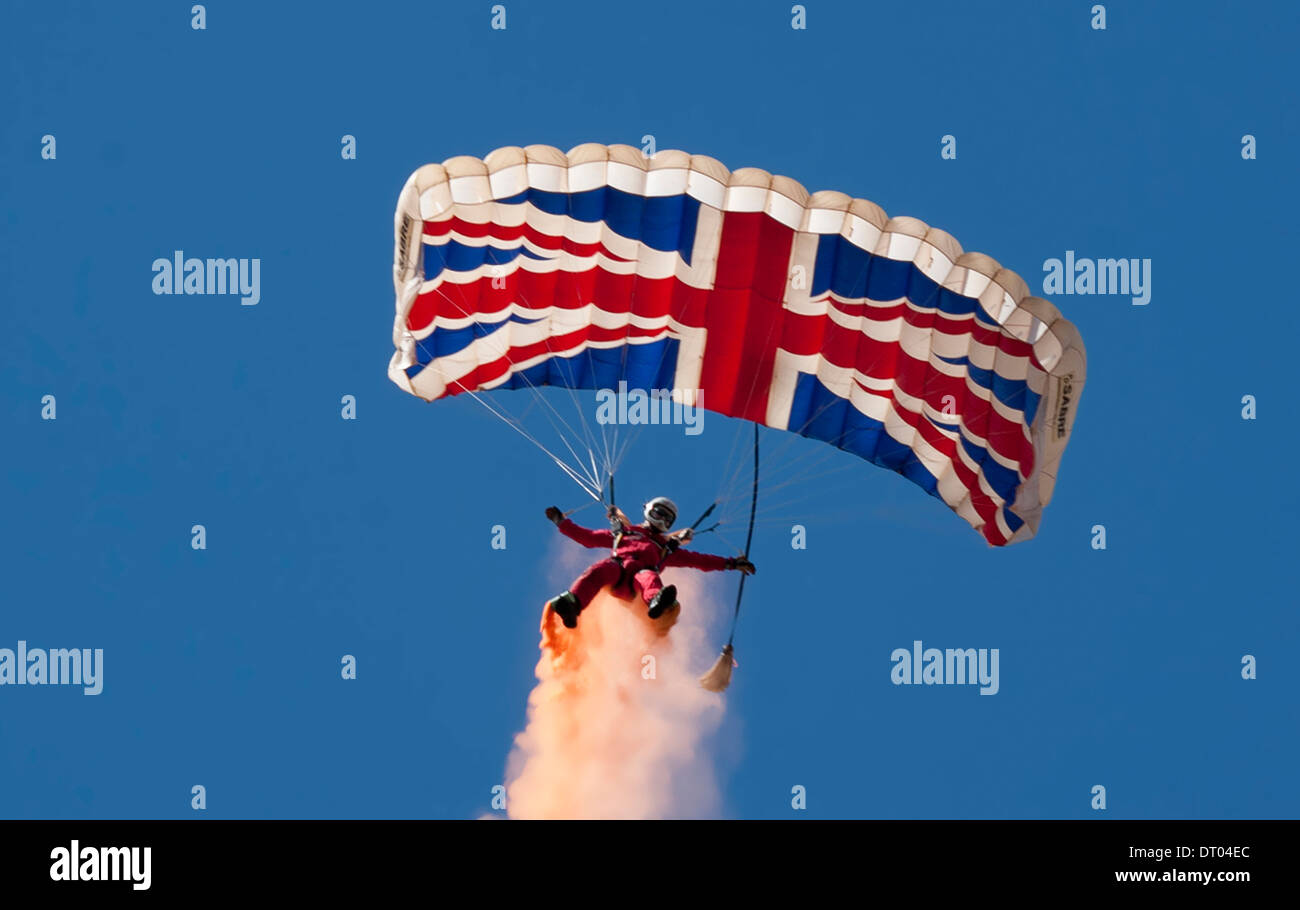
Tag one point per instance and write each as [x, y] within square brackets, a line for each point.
[811, 313]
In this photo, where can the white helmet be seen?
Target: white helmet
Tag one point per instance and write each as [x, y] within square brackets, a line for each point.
[660, 513]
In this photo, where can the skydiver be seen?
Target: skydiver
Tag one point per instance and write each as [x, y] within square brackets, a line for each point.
[637, 552]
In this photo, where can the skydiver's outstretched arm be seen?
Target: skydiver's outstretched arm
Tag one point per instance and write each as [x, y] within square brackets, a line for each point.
[707, 562]
[584, 536]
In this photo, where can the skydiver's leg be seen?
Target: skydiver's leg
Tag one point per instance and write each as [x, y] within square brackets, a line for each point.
[573, 601]
[605, 572]
[654, 593]
[648, 584]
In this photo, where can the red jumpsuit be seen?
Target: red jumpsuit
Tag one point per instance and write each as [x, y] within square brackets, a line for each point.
[640, 552]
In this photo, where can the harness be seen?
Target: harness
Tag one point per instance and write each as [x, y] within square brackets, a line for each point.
[665, 550]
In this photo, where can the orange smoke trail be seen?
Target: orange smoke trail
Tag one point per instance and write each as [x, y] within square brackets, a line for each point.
[617, 721]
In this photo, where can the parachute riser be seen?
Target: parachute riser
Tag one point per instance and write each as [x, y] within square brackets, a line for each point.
[719, 675]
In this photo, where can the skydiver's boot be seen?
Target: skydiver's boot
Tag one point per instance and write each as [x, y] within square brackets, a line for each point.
[663, 601]
[566, 607]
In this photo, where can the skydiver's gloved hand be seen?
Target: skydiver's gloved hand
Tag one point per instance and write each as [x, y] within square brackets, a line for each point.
[554, 514]
[743, 564]
[677, 538]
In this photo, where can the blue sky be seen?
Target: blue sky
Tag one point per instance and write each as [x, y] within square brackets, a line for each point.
[371, 537]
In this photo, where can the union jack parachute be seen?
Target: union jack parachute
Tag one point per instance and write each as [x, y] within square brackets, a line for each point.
[812, 313]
